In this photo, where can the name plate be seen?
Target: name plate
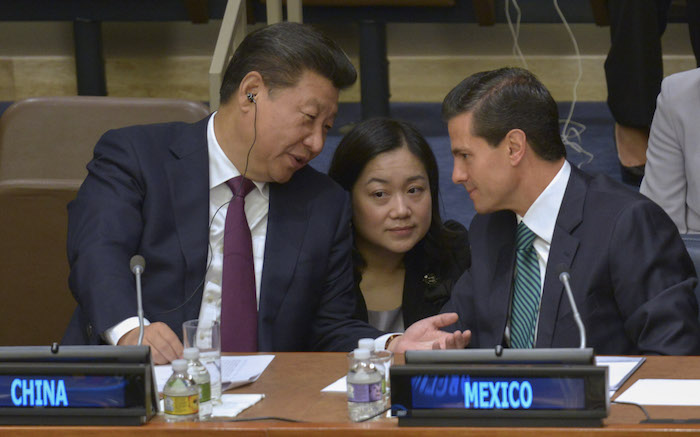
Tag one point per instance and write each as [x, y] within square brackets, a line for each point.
[76, 385]
[500, 394]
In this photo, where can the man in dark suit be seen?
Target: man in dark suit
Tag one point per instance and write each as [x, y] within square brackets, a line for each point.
[149, 188]
[631, 276]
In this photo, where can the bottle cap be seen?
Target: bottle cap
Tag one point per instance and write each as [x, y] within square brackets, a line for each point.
[361, 354]
[191, 353]
[366, 343]
[179, 365]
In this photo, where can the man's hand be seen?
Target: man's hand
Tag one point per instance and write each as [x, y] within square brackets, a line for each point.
[165, 346]
[426, 334]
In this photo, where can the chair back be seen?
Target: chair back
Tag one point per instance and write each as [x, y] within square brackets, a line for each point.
[53, 137]
[45, 144]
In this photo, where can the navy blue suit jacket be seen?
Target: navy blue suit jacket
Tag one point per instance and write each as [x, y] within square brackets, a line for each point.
[631, 276]
[147, 192]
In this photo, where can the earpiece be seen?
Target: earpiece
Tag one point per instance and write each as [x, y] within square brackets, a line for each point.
[251, 98]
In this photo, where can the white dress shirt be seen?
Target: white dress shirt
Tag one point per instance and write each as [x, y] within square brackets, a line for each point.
[541, 218]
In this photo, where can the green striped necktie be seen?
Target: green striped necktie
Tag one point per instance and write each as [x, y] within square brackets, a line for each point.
[526, 296]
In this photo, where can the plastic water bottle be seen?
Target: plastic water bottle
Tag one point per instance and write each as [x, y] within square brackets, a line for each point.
[200, 374]
[364, 383]
[181, 395]
[382, 360]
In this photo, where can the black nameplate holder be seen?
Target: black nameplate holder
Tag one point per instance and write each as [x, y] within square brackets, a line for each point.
[76, 385]
[501, 387]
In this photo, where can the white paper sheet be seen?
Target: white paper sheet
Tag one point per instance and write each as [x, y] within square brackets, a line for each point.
[231, 405]
[339, 386]
[619, 369]
[679, 392]
[235, 371]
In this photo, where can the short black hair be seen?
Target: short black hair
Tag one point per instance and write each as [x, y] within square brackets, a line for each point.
[505, 99]
[281, 53]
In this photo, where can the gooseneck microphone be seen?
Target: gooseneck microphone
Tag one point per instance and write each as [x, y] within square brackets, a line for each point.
[138, 265]
[564, 277]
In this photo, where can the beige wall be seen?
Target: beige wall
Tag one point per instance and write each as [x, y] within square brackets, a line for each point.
[426, 60]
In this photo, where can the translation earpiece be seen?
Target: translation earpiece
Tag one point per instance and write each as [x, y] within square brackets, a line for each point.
[251, 97]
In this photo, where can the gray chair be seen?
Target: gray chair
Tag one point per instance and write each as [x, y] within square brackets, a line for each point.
[692, 243]
[45, 144]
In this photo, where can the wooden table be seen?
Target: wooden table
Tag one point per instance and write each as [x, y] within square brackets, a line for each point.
[292, 386]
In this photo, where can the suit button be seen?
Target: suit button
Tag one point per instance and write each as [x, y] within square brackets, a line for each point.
[88, 329]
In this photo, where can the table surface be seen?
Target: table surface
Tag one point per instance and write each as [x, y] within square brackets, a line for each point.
[292, 386]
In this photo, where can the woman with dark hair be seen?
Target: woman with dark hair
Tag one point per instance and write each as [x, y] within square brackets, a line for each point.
[405, 258]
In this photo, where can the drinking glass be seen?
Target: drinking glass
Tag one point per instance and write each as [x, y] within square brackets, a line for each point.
[207, 338]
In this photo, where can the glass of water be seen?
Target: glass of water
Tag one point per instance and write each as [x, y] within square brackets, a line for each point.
[207, 338]
[384, 360]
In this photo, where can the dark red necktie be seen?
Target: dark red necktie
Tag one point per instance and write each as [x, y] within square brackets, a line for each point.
[239, 308]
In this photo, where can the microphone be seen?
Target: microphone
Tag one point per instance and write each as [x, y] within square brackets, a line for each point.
[564, 277]
[138, 265]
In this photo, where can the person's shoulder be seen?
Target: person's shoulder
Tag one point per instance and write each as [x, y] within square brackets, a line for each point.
[482, 224]
[458, 244]
[161, 128]
[611, 198]
[155, 135]
[455, 226]
[310, 180]
[607, 188]
[459, 236]
[683, 80]
[683, 87]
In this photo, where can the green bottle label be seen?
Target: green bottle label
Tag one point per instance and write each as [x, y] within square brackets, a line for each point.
[205, 392]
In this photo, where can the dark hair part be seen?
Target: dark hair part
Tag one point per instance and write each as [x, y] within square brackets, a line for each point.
[505, 99]
[371, 138]
[281, 53]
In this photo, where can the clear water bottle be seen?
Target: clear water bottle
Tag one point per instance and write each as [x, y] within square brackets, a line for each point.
[200, 374]
[181, 395]
[382, 361]
[365, 398]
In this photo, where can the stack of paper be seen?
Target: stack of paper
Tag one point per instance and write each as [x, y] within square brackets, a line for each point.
[235, 371]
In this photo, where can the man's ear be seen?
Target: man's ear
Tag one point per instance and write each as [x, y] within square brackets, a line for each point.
[516, 143]
[251, 86]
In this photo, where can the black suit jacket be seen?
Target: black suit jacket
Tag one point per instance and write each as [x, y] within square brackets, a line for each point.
[631, 276]
[429, 276]
[147, 192]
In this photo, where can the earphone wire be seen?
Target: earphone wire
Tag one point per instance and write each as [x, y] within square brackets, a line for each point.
[515, 32]
[572, 128]
[210, 249]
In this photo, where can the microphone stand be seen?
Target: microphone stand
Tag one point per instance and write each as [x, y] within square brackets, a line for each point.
[564, 277]
[138, 265]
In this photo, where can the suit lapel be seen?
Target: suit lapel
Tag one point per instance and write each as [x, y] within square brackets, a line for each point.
[286, 229]
[502, 279]
[562, 251]
[188, 178]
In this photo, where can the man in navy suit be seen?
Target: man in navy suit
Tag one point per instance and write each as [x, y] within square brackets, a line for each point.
[161, 191]
[631, 276]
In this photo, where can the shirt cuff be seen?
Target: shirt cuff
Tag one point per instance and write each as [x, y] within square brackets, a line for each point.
[380, 342]
[116, 332]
